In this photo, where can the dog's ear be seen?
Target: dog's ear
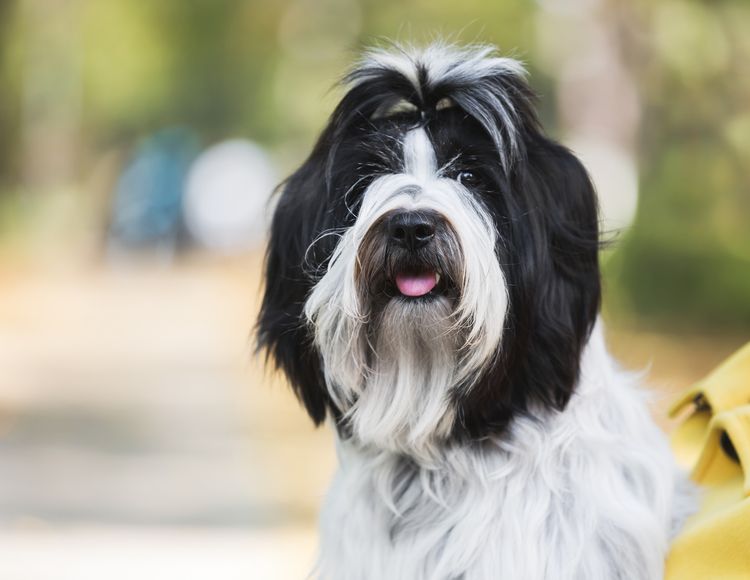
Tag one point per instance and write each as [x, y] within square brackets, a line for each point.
[292, 261]
[559, 287]
[549, 252]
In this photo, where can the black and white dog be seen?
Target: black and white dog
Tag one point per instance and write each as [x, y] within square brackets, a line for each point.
[432, 286]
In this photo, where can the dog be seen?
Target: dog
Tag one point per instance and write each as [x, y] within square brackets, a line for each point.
[433, 288]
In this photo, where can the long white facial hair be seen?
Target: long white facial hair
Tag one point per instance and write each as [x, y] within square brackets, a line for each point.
[392, 372]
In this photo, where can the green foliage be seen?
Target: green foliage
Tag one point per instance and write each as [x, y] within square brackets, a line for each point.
[203, 64]
[8, 96]
[265, 70]
[681, 284]
[686, 261]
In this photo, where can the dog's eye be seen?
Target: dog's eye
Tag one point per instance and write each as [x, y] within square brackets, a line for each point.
[466, 177]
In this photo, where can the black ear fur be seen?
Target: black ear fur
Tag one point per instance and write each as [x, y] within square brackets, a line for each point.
[550, 258]
[566, 278]
[299, 218]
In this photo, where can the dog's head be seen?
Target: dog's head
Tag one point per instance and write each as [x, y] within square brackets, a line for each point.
[432, 269]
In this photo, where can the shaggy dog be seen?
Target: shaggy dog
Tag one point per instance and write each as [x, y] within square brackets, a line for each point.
[433, 287]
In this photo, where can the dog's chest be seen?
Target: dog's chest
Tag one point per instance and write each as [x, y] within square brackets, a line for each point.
[496, 515]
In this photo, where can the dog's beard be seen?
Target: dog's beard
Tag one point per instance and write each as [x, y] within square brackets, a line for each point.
[395, 365]
[405, 403]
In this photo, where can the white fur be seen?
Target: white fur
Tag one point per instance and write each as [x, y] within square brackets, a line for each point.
[469, 65]
[382, 387]
[587, 494]
[443, 62]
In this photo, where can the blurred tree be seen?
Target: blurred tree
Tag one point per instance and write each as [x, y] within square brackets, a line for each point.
[686, 262]
[8, 99]
[51, 93]
[203, 64]
[104, 74]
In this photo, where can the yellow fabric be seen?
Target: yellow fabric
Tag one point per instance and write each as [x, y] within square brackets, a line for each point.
[725, 388]
[688, 438]
[715, 542]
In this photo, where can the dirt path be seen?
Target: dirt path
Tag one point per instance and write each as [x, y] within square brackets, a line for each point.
[129, 401]
[135, 425]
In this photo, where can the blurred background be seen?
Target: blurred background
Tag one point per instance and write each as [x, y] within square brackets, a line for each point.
[139, 144]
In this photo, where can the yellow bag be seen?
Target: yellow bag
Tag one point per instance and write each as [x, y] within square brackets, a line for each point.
[715, 542]
[727, 387]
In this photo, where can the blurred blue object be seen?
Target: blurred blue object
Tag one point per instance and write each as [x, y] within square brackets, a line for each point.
[147, 203]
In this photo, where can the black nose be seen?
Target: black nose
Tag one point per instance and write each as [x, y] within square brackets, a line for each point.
[411, 229]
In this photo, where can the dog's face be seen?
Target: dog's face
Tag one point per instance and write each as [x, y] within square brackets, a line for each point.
[432, 268]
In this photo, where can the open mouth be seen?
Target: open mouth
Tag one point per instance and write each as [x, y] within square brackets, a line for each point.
[414, 285]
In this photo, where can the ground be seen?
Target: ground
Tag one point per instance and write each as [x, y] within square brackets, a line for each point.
[140, 437]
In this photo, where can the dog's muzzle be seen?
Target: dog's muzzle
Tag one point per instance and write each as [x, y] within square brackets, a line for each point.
[410, 255]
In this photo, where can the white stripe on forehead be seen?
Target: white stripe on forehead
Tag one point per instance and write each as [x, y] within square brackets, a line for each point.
[476, 69]
[419, 155]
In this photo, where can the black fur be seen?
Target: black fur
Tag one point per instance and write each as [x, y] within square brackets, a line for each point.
[544, 208]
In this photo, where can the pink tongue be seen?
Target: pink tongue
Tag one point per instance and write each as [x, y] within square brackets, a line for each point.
[416, 284]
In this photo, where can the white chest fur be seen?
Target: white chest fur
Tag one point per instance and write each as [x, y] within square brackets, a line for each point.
[589, 493]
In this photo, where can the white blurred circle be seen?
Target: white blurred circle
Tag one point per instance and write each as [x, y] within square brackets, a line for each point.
[226, 192]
